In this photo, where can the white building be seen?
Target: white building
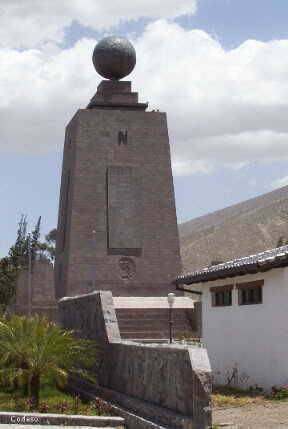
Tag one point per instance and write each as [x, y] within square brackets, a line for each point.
[245, 318]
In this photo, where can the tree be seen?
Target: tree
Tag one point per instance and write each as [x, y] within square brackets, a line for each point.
[11, 264]
[7, 282]
[18, 252]
[17, 258]
[50, 244]
[35, 244]
[32, 348]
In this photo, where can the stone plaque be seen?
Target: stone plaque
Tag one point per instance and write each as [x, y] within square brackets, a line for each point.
[124, 211]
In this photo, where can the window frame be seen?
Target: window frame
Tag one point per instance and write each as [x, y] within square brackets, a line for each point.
[216, 301]
[245, 290]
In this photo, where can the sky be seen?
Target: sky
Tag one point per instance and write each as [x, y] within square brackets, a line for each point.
[219, 68]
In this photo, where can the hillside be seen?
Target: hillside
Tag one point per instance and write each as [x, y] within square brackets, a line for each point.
[239, 230]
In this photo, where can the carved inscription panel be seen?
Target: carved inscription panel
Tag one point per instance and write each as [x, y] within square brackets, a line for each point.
[124, 199]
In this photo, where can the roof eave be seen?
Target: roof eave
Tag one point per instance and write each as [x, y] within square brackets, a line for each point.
[231, 272]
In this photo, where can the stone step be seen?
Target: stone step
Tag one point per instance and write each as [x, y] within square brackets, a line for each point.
[153, 328]
[138, 327]
[151, 334]
[153, 323]
[146, 322]
[126, 319]
[150, 317]
[151, 302]
[142, 335]
[152, 312]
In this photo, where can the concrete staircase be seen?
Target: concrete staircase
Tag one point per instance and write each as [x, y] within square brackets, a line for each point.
[152, 323]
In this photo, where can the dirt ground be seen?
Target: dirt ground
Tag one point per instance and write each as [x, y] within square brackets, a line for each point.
[268, 415]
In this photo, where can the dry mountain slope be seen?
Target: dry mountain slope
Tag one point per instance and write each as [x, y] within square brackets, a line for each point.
[239, 230]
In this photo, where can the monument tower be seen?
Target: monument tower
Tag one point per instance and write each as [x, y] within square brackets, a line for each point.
[117, 227]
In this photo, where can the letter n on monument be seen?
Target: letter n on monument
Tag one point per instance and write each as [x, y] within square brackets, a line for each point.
[123, 138]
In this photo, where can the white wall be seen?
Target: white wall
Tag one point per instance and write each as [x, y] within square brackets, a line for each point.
[251, 339]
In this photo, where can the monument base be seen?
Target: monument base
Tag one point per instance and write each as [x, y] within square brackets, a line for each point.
[168, 384]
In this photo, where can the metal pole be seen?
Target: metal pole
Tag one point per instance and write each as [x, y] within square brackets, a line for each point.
[171, 299]
[170, 324]
[94, 255]
[29, 276]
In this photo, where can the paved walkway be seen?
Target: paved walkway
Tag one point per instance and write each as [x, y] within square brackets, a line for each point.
[11, 426]
[37, 420]
[269, 415]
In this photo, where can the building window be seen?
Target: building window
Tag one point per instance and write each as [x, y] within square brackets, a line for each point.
[221, 296]
[250, 292]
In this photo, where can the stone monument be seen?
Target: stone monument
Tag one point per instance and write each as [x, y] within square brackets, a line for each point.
[118, 233]
[117, 219]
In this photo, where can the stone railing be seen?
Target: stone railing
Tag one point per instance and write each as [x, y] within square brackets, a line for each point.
[169, 384]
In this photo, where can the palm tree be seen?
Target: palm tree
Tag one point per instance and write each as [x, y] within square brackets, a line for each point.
[32, 348]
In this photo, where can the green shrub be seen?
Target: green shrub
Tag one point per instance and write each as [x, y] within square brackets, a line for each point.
[33, 349]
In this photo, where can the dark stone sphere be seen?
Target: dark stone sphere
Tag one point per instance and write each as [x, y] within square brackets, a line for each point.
[114, 57]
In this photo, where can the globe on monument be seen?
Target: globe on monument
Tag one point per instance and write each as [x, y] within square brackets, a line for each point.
[114, 57]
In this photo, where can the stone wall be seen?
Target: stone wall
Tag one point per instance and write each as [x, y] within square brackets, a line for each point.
[42, 291]
[171, 382]
[92, 316]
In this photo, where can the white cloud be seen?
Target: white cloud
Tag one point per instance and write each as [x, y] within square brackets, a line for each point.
[29, 23]
[225, 108]
[186, 167]
[40, 90]
[283, 181]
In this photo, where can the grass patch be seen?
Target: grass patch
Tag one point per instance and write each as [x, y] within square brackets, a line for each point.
[280, 393]
[224, 396]
[52, 400]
